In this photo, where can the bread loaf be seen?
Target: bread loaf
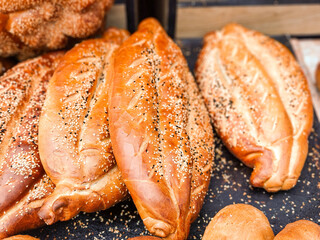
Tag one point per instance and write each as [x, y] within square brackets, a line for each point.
[160, 131]
[259, 101]
[29, 26]
[239, 221]
[302, 230]
[23, 183]
[74, 142]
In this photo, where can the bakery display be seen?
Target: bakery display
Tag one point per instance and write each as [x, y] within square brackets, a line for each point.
[160, 131]
[259, 102]
[23, 183]
[159, 124]
[318, 76]
[74, 142]
[239, 221]
[302, 230]
[27, 27]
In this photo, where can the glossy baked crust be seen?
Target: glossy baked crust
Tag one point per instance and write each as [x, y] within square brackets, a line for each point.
[23, 183]
[28, 26]
[160, 131]
[239, 221]
[21, 237]
[74, 142]
[259, 101]
[302, 230]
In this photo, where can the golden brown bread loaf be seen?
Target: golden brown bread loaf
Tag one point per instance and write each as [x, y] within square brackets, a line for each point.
[23, 183]
[300, 230]
[239, 221]
[259, 101]
[27, 26]
[21, 237]
[318, 76]
[74, 142]
[160, 131]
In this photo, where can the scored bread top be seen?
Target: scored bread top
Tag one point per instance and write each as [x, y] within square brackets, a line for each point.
[259, 101]
[75, 146]
[160, 131]
[23, 184]
[22, 92]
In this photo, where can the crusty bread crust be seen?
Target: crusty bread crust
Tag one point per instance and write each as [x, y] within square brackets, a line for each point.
[21, 237]
[74, 146]
[302, 230]
[239, 221]
[161, 132]
[23, 215]
[29, 26]
[259, 102]
[23, 183]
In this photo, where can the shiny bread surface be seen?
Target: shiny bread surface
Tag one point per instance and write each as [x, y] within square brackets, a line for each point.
[75, 146]
[23, 182]
[259, 101]
[160, 131]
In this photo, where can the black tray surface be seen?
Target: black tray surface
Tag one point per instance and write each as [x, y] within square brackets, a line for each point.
[229, 184]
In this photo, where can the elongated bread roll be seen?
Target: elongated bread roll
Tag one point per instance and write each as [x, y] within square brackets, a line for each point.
[239, 221]
[23, 183]
[23, 215]
[74, 142]
[30, 26]
[302, 230]
[160, 131]
[259, 102]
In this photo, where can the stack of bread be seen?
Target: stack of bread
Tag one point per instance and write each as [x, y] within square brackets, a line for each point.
[122, 116]
[136, 104]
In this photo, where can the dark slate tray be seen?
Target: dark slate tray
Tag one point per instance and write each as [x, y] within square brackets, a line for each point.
[229, 184]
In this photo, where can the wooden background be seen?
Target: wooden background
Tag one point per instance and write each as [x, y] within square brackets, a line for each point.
[195, 18]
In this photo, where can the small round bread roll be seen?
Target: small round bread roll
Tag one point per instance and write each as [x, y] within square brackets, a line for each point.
[239, 221]
[21, 237]
[144, 238]
[301, 230]
[318, 77]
